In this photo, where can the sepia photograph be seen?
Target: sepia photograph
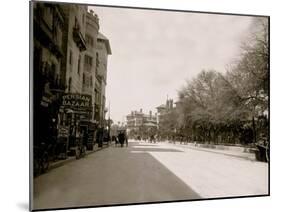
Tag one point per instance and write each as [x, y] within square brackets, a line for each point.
[141, 105]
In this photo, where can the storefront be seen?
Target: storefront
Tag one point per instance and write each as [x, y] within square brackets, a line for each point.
[75, 116]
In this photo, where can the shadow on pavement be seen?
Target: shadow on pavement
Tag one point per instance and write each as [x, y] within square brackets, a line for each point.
[147, 144]
[155, 150]
[114, 176]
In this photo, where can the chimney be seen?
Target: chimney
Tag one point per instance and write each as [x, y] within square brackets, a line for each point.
[141, 110]
[150, 113]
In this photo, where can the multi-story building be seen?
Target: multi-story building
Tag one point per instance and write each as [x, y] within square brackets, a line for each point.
[164, 124]
[162, 111]
[139, 123]
[48, 21]
[135, 120]
[103, 50]
[90, 61]
[86, 53]
[70, 70]
[74, 46]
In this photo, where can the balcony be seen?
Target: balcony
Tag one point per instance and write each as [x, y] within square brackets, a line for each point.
[79, 39]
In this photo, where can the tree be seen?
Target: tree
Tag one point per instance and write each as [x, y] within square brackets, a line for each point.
[250, 74]
[213, 103]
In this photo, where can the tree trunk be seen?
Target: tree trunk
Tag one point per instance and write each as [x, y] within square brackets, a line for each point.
[254, 129]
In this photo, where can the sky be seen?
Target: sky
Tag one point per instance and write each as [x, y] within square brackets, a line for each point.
[155, 53]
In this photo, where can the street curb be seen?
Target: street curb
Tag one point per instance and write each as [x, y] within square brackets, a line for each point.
[222, 153]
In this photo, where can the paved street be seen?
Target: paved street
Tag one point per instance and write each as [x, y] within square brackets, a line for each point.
[146, 172]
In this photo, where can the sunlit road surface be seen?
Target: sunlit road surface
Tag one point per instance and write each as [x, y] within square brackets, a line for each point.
[145, 172]
[214, 175]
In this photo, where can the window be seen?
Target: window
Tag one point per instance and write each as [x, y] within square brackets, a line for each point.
[79, 59]
[53, 69]
[88, 60]
[70, 57]
[52, 73]
[91, 81]
[76, 25]
[83, 79]
[58, 36]
[97, 59]
[69, 84]
[97, 62]
[96, 96]
[89, 40]
[48, 16]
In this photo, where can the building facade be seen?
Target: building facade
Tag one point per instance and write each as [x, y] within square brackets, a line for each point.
[48, 22]
[90, 61]
[74, 46]
[164, 119]
[102, 52]
[162, 111]
[141, 124]
[70, 71]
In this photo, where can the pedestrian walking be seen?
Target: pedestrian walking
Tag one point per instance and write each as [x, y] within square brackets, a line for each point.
[126, 140]
[121, 138]
[115, 140]
[152, 139]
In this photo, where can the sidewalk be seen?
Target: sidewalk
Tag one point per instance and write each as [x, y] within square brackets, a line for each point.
[232, 151]
[59, 163]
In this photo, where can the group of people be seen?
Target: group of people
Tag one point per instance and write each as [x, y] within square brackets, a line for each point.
[121, 138]
[151, 139]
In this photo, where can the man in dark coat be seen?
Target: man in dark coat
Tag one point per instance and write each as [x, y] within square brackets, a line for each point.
[121, 138]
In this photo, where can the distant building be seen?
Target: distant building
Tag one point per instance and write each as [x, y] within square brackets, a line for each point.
[141, 124]
[162, 111]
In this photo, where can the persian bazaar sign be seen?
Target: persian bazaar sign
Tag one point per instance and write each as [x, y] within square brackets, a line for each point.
[77, 101]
